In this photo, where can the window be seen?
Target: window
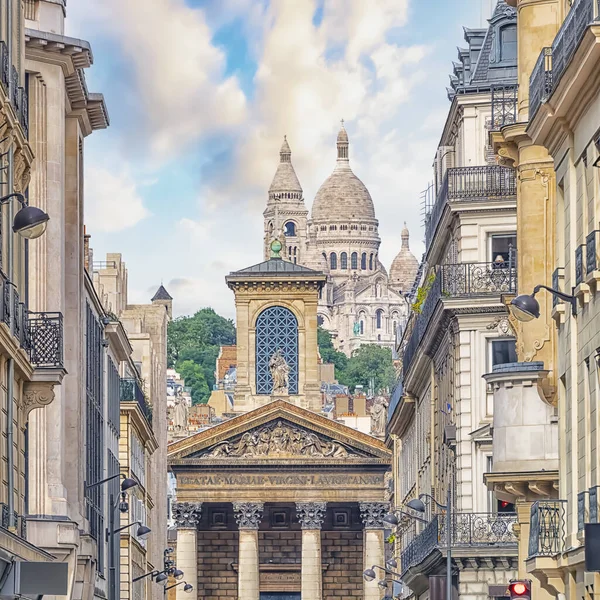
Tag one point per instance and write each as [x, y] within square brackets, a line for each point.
[320, 321]
[508, 43]
[333, 261]
[354, 261]
[503, 248]
[379, 317]
[371, 262]
[289, 229]
[363, 261]
[503, 351]
[343, 261]
[138, 463]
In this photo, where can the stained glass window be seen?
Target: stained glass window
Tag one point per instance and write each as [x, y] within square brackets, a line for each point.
[276, 329]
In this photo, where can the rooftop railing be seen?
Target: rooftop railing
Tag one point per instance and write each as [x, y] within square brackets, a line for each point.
[553, 62]
[470, 184]
[131, 391]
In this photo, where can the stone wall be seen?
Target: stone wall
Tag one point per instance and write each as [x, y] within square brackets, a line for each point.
[342, 551]
[474, 584]
[280, 547]
[217, 550]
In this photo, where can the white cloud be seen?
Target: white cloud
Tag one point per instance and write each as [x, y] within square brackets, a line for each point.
[113, 200]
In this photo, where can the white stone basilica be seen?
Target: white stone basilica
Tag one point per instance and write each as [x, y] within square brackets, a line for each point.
[361, 303]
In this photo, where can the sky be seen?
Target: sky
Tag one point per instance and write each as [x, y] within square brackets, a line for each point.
[200, 94]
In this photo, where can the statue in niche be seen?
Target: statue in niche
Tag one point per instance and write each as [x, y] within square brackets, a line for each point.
[280, 373]
[180, 414]
[279, 440]
[379, 416]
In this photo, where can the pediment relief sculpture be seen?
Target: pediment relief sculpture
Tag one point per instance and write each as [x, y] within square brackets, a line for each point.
[280, 440]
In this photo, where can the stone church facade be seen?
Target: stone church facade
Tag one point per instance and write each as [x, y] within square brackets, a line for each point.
[361, 303]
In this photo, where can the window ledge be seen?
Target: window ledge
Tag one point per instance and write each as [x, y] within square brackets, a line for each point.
[582, 292]
[592, 278]
[558, 313]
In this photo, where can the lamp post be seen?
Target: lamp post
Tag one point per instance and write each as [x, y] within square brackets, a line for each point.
[30, 222]
[525, 307]
[122, 505]
[187, 587]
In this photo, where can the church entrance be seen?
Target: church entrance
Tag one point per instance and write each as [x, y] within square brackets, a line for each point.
[280, 596]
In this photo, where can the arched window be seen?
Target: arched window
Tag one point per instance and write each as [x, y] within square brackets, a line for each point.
[354, 261]
[371, 262]
[363, 261]
[362, 328]
[343, 261]
[379, 317]
[271, 227]
[333, 261]
[289, 229]
[320, 321]
[276, 333]
[362, 317]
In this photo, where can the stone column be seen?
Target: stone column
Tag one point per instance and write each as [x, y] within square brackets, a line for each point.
[186, 516]
[248, 516]
[311, 516]
[372, 514]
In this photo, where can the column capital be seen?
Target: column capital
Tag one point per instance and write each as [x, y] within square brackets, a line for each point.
[311, 514]
[372, 514]
[187, 514]
[248, 514]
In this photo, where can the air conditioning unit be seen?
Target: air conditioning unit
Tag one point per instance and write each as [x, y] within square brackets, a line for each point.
[34, 579]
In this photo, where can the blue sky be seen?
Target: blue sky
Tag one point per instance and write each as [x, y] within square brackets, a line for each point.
[200, 94]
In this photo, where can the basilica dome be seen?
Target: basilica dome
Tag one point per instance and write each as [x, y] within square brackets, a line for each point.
[404, 267]
[343, 194]
[285, 183]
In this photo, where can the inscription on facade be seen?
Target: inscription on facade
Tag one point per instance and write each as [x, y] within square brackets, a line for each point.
[316, 480]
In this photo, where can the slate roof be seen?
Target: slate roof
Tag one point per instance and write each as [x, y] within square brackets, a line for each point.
[162, 294]
[275, 266]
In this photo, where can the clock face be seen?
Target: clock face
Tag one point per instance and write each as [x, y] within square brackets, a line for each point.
[276, 246]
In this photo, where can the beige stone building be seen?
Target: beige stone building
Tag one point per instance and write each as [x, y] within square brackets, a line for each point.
[561, 99]
[361, 303]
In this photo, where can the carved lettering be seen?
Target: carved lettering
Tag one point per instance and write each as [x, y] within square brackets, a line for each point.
[251, 480]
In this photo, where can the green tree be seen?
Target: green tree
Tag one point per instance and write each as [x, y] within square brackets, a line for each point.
[330, 355]
[194, 379]
[370, 361]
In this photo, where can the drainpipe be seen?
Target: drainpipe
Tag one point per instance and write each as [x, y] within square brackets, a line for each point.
[10, 365]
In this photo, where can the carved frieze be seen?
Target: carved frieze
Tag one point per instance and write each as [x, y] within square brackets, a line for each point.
[372, 514]
[279, 439]
[311, 514]
[248, 514]
[187, 514]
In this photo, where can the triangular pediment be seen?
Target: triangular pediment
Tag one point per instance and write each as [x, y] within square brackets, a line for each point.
[279, 431]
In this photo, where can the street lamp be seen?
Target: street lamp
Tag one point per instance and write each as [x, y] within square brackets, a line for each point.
[141, 533]
[526, 308]
[187, 587]
[370, 575]
[392, 517]
[30, 222]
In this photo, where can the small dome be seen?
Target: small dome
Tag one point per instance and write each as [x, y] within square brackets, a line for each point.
[343, 193]
[285, 179]
[405, 266]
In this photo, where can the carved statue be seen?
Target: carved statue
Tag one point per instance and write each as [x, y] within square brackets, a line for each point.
[280, 373]
[356, 328]
[279, 440]
[379, 416]
[180, 415]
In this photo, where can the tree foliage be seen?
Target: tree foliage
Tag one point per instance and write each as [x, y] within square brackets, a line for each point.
[368, 361]
[193, 346]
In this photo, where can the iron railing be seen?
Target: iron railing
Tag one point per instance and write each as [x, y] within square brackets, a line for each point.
[468, 530]
[479, 279]
[4, 66]
[547, 528]
[6, 311]
[97, 265]
[581, 510]
[470, 184]
[131, 391]
[553, 62]
[24, 110]
[19, 521]
[44, 341]
[593, 508]
[579, 266]
[504, 106]
[591, 251]
[558, 278]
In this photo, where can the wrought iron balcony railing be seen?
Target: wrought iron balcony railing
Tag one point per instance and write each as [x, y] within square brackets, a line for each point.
[504, 106]
[469, 530]
[591, 251]
[579, 264]
[131, 391]
[43, 339]
[19, 521]
[593, 504]
[4, 66]
[470, 184]
[547, 528]
[553, 62]
[479, 279]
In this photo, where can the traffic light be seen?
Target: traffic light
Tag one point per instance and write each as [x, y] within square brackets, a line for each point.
[520, 589]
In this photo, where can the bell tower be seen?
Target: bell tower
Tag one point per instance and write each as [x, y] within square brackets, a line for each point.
[285, 216]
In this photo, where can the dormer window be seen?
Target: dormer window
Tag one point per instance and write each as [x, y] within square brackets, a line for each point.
[508, 43]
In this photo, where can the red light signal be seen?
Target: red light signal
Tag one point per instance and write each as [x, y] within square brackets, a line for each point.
[520, 590]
